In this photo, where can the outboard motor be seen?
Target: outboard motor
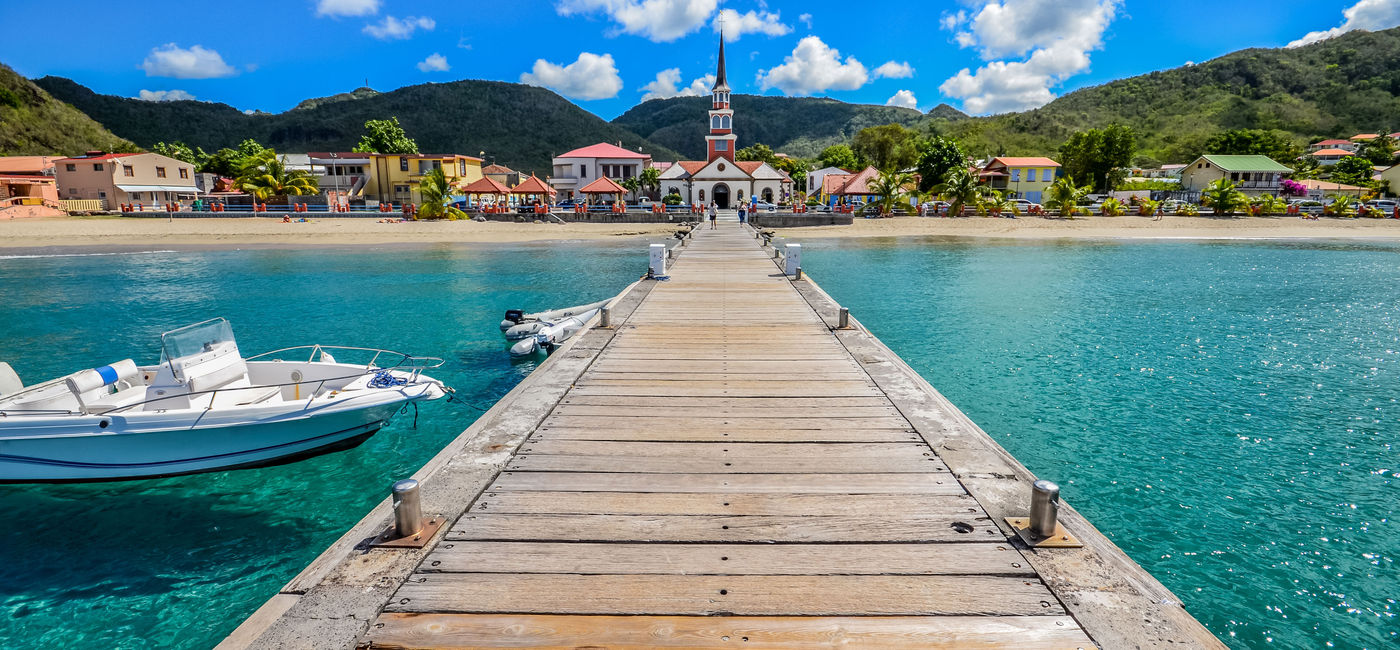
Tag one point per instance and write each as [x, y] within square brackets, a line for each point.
[513, 318]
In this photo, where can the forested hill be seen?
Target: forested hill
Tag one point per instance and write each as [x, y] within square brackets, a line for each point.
[798, 126]
[1335, 88]
[516, 125]
[34, 123]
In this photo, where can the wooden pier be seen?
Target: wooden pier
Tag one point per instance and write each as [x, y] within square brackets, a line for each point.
[724, 468]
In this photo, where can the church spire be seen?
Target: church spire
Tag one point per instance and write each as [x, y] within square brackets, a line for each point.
[721, 82]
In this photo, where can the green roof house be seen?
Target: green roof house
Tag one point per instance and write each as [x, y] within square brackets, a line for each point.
[1253, 175]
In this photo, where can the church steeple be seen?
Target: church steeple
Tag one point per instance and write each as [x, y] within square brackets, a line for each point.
[721, 141]
[721, 80]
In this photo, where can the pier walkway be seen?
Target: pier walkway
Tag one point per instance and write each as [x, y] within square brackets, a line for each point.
[723, 468]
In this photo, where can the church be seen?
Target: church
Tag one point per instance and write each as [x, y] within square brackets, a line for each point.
[719, 179]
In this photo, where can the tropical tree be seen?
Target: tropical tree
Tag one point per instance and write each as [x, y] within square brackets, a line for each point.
[631, 184]
[436, 193]
[888, 147]
[1099, 155]
[937, 157]
[1268, 204]
[266, 177]
[1353, 170]
[1113, 208]
[1380, 150]
[889, 187]
[1222, 196]
[839, 156]
[650, 179]
[181, 151]
[1278, 145]
[960, 189]
[1147, 207]
[757, 152]
[1343, 205]
[995, 203]
[1064, 196]
[385, 136]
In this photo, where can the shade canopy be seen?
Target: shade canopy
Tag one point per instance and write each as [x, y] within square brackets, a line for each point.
[603, 185]
[486, 185]
[533, 185]
[159, 188]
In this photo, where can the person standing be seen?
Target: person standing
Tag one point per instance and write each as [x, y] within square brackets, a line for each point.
[742, 213]
[714, 213]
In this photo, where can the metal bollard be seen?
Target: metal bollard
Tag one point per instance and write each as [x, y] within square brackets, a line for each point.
[670, 253]
[1045, 507]
[605, 317]
[408, 508]
[843, 320]
[797, 276]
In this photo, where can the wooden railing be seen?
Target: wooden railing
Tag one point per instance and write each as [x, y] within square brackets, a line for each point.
[83, 205]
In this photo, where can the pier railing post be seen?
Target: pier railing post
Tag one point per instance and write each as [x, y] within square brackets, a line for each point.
[1045, 507]
[843, 319]
[793, 259]
[408, 508]
[605, 317]
[658, 260]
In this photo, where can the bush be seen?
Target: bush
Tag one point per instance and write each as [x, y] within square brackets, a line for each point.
[672, 199]
[8, 98]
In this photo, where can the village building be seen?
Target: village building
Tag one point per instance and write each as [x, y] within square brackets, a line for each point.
[501, 174]
[1333, 144]
[578, 168]
[339, 173]
[719, 179]
[815, 181]
[396, 178]
[1329, 157]
[1020, 178]
[1253, 175]
[27, 180]
[120, 178]
[1321, 189]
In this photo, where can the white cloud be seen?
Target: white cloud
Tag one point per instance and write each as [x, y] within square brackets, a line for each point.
[1051, 38]
[1367, 14]
[434, 63]
[951, 21]
[347, 7]
[813, 67]
[394, 28]
[903, 98]
[164, 96]
[666, 82]
[590, 77]
[737, 24]
[658, 20]
[805, 19]
[892, 70]
[170, 60]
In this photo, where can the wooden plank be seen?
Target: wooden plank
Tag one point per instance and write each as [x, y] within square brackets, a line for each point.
[730, 434]
[395, 631]
[688, 503]
[731, 409]
[746, 450]
[728, 559]
[736, 465]
[730, 483]
[635, 375]
[871, 527]
[710, 595]
[640, 400]
[720, 422]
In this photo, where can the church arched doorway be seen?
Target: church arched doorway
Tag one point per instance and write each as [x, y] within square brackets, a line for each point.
[721, 193]
[767, 195]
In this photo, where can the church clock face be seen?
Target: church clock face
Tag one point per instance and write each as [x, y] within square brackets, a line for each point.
[721, 166]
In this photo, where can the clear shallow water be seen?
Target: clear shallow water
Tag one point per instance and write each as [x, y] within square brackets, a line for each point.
[180, 562]
[1225, 412]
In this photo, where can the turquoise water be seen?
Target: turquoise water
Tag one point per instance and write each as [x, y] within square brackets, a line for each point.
[180, 562]
[1226, 412]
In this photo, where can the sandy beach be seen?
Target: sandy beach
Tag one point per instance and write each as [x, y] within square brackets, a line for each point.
[218, 233]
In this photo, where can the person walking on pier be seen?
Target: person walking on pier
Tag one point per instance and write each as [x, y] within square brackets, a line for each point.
[714, 213]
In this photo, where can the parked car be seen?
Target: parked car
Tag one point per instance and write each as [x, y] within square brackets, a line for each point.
[763, 206]
[931, 208]
[1024, 206]
[1384, 205]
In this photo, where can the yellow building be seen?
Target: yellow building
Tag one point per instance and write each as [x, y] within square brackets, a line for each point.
[394, 178]
[1024, 178]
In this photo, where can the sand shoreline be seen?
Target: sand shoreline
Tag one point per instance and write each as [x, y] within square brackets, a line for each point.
[102, 234]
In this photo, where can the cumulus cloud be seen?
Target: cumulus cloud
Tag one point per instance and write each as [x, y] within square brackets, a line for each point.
[951, 21]
[170, 60]
[805, 19]
[814, 67]
[347, 7]
[666, 86]
[1050, 40]
[164, 96]
[661, 21]
[592, 76]
[434, 63]
[892, 70]
[1367, 14]
[393, 28]
[904, 98]
[737, 24]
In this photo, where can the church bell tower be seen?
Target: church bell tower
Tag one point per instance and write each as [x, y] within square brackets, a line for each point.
[721, 140]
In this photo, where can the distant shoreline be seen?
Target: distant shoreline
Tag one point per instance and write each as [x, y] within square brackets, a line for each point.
[100, 235]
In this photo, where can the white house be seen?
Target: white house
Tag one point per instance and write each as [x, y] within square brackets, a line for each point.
[579, 167]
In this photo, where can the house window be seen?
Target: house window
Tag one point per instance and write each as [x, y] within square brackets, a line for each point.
[461, 168]
[702, 196]
[97, 167]
[724, 122]
[1015, 175]
[403, 163]
[583, 171]
[160, 172]
[128, 170]
[1234, 176]
[101, 195]
[721, 145]
[71, 167]
[714, 122]
[135, 196]
[1030, 175]
[184, 173]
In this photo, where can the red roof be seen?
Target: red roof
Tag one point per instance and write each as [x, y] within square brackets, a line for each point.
[485, 185]
[833, 182]
[497, 169]
[603, 185]
[105, 156]
[749, 166]
[1328, 143]
[602, 150]
[1333, 152]
[692, 166]
[1023, 162]
[532, 185]
[859, 183]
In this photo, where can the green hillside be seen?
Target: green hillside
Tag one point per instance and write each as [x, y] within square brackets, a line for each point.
[33, 123]
[516, 125]
[800, 126]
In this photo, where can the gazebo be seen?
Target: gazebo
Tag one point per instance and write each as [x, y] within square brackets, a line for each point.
[533, 187]
[604, 185]
[486, 186]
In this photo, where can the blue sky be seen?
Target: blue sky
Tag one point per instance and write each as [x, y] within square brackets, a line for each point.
[982, 56]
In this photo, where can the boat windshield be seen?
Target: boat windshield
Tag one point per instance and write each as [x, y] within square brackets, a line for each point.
[194, 339]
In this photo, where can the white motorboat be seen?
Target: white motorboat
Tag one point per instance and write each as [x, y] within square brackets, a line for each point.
[203, 408]
[518, 325]
[551, 334]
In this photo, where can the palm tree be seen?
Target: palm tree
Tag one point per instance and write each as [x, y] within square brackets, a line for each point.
[435, 192]
[960, 188]
[996, 203]
[265, 176]
[1342, 205]
[889, 187]
[1064, 196]
[650, 178]
[1222, 197]
[1112, 208]
[1269, 204]
[631, 184]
